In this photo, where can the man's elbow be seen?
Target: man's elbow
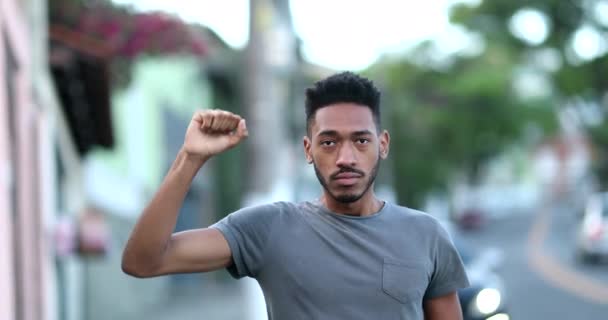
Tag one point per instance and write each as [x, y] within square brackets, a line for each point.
[136, 270]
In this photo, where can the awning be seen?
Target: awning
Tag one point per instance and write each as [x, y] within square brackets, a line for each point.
[80, 68]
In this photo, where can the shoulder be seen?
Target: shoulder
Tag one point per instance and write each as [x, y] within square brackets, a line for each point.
[416, 217]
[264, 209]
[421, 221]
[264, 212]
[255, 218]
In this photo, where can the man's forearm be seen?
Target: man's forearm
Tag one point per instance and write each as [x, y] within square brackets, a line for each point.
[150, 236]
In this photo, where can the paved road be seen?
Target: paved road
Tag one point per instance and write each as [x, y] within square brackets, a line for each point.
[543, 279]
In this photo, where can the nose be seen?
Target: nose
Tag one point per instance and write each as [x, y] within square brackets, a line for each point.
[346, 156]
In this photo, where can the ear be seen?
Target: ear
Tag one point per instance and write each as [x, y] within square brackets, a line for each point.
[307, 148]
[385, 140]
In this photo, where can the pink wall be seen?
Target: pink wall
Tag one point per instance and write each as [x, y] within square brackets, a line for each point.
[7, 274]
[27, 278]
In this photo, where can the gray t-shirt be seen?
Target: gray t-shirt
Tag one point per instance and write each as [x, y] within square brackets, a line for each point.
[315, 264]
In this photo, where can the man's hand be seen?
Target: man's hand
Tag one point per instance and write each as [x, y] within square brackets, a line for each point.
[212, 132]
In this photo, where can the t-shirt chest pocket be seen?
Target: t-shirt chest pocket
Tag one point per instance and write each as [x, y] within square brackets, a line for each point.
[404, 281]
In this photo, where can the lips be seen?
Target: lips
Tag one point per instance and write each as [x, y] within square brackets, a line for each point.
[346, 175]
[347, 178]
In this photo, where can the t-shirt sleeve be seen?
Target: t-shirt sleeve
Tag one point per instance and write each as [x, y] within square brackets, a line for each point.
[247, 232]
[449, 273]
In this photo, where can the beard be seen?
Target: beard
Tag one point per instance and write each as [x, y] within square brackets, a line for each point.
[348, 197]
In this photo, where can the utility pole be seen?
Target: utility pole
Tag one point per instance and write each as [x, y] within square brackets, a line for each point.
[270, 60]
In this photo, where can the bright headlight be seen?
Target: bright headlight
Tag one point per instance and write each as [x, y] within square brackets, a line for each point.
[487, 301]
[500, 316]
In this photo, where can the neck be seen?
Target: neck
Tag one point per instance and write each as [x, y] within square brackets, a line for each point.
[366, 206]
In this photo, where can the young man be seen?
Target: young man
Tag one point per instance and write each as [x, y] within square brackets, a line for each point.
[346, 255]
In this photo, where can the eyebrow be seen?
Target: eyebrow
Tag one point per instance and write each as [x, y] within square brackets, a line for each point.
[362, 133]
[334, 133]
[328, 133]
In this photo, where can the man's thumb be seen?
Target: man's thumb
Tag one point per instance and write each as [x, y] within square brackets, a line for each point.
[241, 130]
[239, 134]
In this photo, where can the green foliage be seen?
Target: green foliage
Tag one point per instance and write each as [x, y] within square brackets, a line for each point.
[585, 79]
[454, 120]
[457, 118]
[491, 18]
[121, 35]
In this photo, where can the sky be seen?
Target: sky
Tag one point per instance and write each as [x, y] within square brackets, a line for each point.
[347, 34]
[353, 34]
[338, 34]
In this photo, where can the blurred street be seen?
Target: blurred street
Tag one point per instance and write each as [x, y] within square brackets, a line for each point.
[217, 302]
[497, 113]
[549, 283]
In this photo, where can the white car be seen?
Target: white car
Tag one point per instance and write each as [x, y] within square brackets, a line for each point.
[592, 241]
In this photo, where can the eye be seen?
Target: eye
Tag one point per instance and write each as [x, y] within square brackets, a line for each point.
[328, 143]
[362, 141]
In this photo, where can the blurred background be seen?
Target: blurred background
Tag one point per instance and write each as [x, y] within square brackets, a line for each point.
[496, 109]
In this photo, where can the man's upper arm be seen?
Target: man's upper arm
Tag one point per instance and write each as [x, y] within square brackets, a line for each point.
[446, 307]
[197, 250]
[448, 274]
[247, 232]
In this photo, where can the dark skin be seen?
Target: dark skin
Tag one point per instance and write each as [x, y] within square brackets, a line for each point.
[345, 147]
[343, 138]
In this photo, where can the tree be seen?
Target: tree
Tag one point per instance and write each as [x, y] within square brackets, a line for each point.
[124, 35]
[576, 32]
[454, 119]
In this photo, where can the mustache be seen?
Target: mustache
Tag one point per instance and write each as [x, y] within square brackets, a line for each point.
[345, 170]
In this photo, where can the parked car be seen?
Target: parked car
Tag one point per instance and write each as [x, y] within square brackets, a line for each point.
[592, 236]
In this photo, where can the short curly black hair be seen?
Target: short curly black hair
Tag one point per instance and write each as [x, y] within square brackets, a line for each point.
[339, 88]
